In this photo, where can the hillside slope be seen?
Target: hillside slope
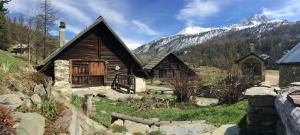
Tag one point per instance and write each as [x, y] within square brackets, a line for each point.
[221, 46]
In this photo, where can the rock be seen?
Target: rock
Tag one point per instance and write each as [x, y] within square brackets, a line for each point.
[27, 103]
[21, 95]
[190, 129]
[154, 128]
[260, 91]
[103, 112]
[40, 90]
[127, 133]
[36, 99]
[134, 127]
[49, 87]
[206, 101]
[118, 122]
[11, 101]
[230, 129]
[30, 124]
[63, 122]
[84, 123]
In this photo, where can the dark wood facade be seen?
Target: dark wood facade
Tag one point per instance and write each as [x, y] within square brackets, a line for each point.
[96, 56]
[167, 67]
[251, 65]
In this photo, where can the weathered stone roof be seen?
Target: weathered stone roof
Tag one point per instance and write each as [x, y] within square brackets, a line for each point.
[155, 61]
[291, 57]
[260, 91]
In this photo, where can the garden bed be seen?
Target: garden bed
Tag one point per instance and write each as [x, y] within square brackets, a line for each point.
[216, 115]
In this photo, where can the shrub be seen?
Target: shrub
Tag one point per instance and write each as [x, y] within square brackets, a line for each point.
[49, 108]
[184, 87]
[231, 88]
[157, 132]
[37, 77]
[76, 101]
[7, 122]
[118, 128]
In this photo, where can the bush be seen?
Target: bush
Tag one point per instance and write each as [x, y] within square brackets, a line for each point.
[118, 128]
[76, 101]
[156, 133]
[7, 122]
[184, 87]
[232, 87]
[37, 77]
[49, 108]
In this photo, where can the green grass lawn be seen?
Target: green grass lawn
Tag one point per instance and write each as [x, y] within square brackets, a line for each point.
[217, 115]
[7, 57]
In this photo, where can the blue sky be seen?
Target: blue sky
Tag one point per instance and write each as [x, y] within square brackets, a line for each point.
[140, 21]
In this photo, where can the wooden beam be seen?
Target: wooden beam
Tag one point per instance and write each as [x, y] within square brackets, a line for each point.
[116, 116]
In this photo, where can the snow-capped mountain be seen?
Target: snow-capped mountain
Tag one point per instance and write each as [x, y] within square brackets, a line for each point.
[192, 36]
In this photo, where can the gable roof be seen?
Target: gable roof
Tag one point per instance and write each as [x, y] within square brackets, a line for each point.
[99, 20]
[292, 56]
[251, 53]
[156, 61]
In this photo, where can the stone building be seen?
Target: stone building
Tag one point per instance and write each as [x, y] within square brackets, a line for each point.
[251, 65]
[168, 66]
[289, 67]
[94, 57]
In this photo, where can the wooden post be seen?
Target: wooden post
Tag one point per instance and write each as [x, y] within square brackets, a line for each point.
[87, 104]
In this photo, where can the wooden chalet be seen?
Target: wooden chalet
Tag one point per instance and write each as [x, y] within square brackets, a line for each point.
[95, 57]
[167, 66]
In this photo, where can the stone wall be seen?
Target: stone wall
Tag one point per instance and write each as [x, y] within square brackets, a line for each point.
[288, 112]
[288, 74]
[140, 84]
[62, 74]
[262, 116]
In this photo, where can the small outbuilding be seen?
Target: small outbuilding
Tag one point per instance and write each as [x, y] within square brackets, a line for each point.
[19, 49]
[94, 57]
[168, 66]
[289, 67]
[251, 65]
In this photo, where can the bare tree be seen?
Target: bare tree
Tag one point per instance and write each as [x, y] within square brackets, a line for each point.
[48, 18]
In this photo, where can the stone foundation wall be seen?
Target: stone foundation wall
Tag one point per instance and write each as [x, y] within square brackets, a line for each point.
[262, 116]
[288, 74]
[62, 74]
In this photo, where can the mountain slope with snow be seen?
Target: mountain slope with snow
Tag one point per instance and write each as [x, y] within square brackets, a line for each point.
[192, 36]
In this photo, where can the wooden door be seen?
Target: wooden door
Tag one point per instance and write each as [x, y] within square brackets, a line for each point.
[96, 73]
[87, 73]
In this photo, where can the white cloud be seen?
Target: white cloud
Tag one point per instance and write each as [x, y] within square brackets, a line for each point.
[22, 6]
[132, 44]
[143, 28]
[71, 11]
[77, 15]
[102, 7]
[289, 9]
[196, 10]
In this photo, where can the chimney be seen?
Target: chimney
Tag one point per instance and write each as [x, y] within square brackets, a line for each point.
[252, 48]
[62, 28]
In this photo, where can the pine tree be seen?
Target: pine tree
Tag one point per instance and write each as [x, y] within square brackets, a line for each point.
[3, 11]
